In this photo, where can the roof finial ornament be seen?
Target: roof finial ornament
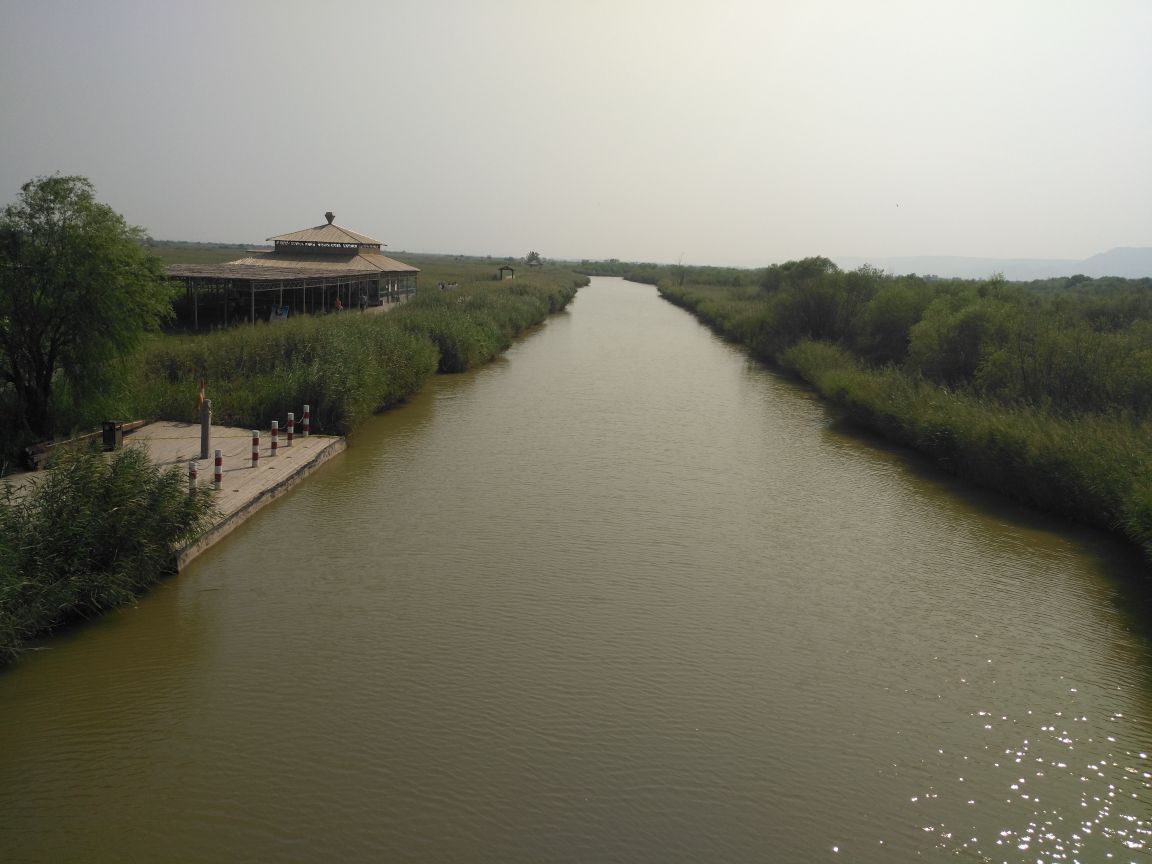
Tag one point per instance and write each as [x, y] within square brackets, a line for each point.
[329, 216]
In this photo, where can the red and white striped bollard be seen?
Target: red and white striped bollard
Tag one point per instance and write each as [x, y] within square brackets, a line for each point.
[192, 477]
[291, 429]
[255, 447]
[306, 421]
[218, 473]
[275, 446]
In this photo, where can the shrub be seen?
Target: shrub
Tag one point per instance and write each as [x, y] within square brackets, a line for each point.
[90, 536]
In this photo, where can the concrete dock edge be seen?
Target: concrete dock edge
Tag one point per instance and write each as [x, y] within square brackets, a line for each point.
[232, 520]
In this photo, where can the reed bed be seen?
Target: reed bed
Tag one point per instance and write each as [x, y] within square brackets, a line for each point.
[345, 366]
[1086, 468]
[1038, 392]
[95, 533]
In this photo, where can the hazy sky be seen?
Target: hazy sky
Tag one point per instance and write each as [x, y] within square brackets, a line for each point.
[737, 132]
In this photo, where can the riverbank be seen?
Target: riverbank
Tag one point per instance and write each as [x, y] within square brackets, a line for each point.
[94, 532]
[1017, 391]
[345, 367]
[245, 487]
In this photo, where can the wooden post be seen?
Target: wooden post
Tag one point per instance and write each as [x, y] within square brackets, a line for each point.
[205, 428]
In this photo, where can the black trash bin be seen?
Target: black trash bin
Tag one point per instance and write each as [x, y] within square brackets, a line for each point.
[113, 434]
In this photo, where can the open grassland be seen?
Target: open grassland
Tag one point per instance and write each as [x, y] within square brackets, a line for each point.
[184, 252]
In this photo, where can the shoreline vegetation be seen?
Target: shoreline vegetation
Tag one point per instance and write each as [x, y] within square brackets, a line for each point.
[98, 532]
[1041, 391]
[346, 365]
[95, 533]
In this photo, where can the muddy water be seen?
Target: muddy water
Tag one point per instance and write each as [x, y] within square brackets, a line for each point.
[621, 596]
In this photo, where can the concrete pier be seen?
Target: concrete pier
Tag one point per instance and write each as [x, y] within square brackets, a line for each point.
[244, 489]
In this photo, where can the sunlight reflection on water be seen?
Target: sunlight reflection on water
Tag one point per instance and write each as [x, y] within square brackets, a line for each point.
[1018, 787]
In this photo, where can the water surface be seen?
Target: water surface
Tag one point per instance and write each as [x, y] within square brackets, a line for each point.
[620, 596]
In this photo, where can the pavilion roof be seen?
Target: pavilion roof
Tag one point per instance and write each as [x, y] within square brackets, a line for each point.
[265, 266]
[324, 252]
[362, 262]
[256, 273]
[327, 234]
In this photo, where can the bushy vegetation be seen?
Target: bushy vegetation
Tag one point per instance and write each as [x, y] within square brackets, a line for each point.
[345, 366]
[92, 535]
[1042, 391]
[473, 325]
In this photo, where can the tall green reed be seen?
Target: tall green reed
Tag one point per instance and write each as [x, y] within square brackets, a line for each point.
[92, 534]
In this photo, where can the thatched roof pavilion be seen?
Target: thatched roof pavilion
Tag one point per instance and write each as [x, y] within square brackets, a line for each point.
[313, 270]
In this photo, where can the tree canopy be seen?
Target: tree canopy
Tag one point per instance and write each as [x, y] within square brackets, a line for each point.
[77, 290]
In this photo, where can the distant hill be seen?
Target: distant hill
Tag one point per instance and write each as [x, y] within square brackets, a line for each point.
[1130, 262]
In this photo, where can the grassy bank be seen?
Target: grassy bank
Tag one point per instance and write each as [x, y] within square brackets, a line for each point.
[1039, 391]
[347, 365]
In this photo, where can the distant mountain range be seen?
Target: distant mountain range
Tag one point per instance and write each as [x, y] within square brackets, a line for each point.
[1130, 262]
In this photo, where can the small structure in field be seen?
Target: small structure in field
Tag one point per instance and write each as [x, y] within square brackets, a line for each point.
[314, 270]
[506, 272]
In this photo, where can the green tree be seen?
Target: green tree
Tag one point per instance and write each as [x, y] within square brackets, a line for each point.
[955, 334]
[533, 259]
[888, 319]
[797, 272]
[77, 290]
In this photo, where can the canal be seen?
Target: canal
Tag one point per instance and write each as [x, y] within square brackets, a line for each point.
[621, 596]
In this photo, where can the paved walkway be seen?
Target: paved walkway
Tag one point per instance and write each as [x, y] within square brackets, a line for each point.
[245, 489]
